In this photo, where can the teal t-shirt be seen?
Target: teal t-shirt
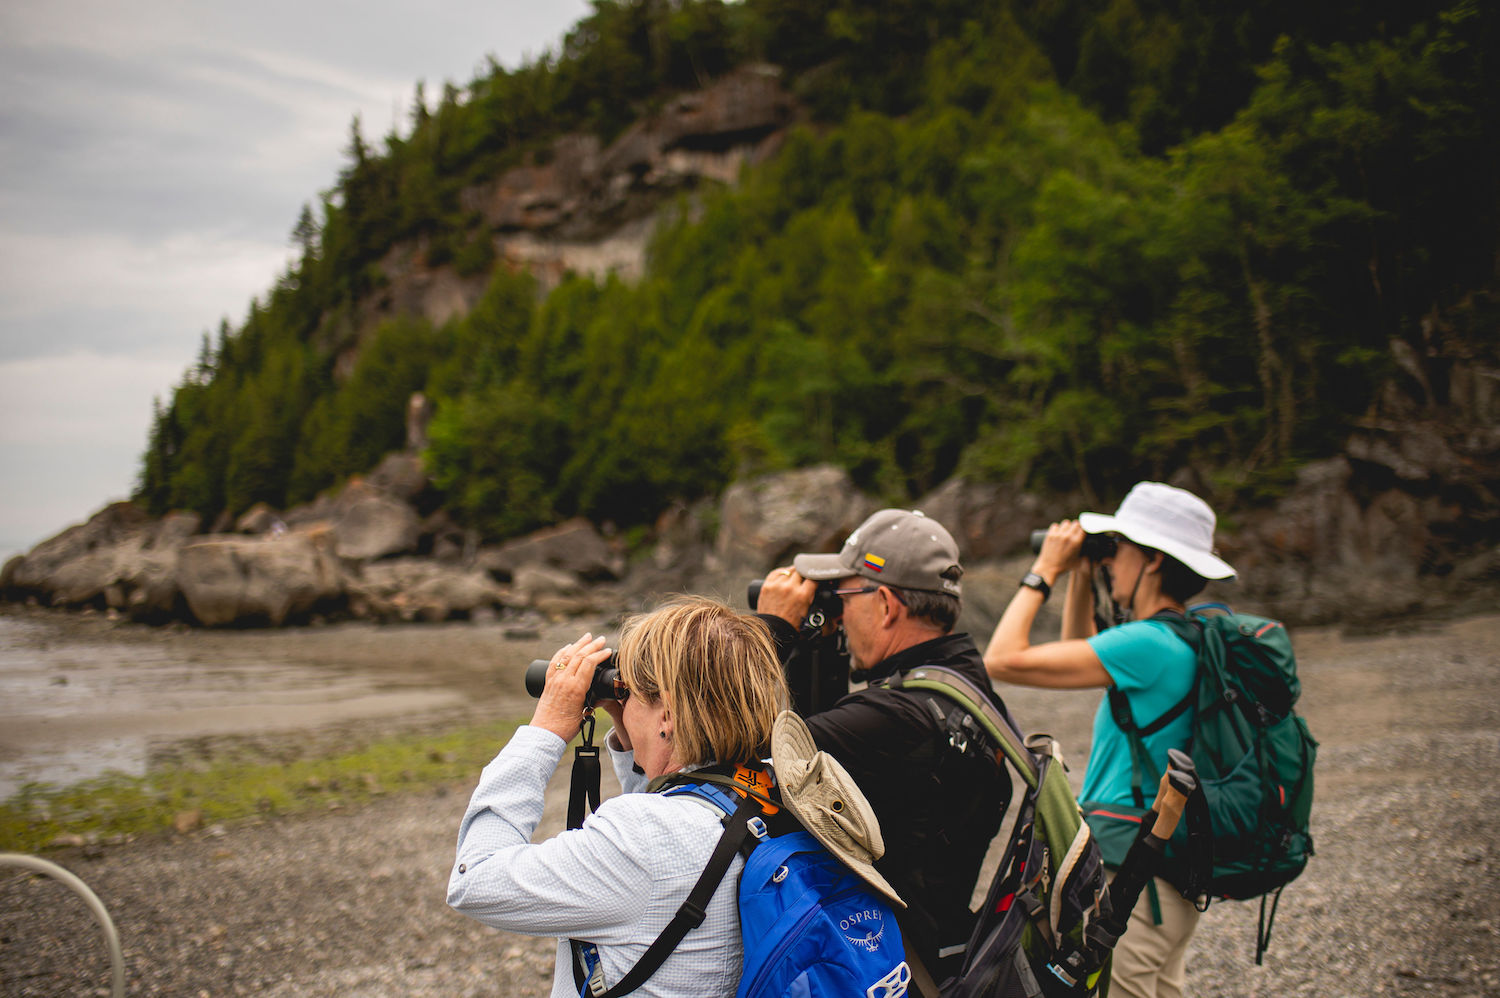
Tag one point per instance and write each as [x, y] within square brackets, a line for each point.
[1155, 669]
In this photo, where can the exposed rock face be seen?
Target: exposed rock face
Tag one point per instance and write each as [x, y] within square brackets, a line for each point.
[373, 524]
[585, 208]
[987, 521]
[582, 193]
[765, 521]
[236, 580]
[119, 558]
[574, 547]
[419, 589]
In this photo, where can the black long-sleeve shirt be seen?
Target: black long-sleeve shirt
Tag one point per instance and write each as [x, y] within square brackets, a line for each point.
[938, 807]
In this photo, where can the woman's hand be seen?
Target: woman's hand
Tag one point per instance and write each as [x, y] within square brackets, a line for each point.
[569, 674]
[1059, 551]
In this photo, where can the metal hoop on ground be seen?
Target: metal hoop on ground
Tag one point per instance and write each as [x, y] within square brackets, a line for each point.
[96, 908]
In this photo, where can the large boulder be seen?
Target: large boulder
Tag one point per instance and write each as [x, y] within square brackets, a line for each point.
[50, 565]
[988, 521]
[372, 524]
[574, 547]
[230, 579]
[419, 589]
[400, 475]
[1332, 550]
[259, 519]
[119, 558]
[763, 522]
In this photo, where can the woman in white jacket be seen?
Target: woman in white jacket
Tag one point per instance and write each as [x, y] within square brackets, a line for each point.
[702, 685]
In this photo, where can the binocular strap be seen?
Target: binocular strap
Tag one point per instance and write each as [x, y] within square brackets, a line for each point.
[583, 791]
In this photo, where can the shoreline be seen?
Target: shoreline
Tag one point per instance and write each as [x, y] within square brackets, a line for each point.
[88, 694]
[349, 899]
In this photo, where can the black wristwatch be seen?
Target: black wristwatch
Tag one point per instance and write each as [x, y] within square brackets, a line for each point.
[1031, 580]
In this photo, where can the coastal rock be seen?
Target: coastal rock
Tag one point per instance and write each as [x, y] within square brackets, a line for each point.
[258, 519]
[371, 524]
[401, 475]
[573, 546]
[55, 563]
[987, 520]
[420, 589]
[229, 580]
[765, 521]
[119, 559]
[532, 581]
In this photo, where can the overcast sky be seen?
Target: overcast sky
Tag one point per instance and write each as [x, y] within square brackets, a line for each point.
[154, 157]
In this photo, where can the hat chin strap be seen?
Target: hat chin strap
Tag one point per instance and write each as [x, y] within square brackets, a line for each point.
[1125, 614]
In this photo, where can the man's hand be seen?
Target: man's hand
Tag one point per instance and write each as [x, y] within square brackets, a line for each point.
[787, 595]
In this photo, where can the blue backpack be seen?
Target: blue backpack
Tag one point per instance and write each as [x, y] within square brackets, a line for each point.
[811, 927]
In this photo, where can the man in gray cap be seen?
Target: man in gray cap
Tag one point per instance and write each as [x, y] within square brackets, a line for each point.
[932, 780]
[1157, 553]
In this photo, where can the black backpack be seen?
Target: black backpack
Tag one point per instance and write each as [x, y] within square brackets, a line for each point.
[1247, 834]
[1050, 885]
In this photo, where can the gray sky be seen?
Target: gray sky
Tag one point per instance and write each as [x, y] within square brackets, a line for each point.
[154, 157]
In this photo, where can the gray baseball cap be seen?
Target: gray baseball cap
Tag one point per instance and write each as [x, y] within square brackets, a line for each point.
[895, 547]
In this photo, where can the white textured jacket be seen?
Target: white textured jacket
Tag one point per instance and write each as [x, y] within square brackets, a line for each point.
[615, 882]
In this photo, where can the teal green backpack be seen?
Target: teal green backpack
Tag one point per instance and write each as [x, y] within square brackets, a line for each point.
[1247, 834]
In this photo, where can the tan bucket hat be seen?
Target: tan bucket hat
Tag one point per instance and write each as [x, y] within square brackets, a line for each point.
[822, 795]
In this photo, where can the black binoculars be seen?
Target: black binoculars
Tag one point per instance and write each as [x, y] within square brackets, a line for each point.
[826, 604]
[1096, 547]
[606, 685]
[817, 670]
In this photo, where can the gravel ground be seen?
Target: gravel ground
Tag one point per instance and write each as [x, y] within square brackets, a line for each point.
[1402, 898]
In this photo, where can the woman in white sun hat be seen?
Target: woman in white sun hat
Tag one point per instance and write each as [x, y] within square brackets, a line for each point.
[1160, 546]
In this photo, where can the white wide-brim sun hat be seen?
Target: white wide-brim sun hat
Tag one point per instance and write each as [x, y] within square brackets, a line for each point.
[1166, 519]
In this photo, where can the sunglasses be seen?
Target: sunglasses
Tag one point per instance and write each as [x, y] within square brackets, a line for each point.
[856, 590]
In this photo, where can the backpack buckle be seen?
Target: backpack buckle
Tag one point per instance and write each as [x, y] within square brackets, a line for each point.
[758, 828]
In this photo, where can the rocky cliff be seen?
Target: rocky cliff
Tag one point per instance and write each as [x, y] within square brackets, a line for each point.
[585, 207]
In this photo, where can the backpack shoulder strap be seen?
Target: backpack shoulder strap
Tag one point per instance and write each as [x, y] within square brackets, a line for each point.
[724, 783]
[1056, 808]
[958, 688]
[1142, 772]
[739, 826]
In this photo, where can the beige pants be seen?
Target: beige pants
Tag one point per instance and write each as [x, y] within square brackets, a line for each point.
[1148, 961]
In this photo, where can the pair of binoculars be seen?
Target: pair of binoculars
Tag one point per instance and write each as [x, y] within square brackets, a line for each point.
[606, 684]
[1096, 547]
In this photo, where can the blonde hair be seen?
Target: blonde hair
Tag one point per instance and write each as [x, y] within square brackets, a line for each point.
[716, 669]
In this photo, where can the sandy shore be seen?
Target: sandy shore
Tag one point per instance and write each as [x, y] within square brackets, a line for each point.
[1402, 898]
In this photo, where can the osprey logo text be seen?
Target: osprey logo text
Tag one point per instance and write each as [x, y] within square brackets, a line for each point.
[892, 985]
[863, 919]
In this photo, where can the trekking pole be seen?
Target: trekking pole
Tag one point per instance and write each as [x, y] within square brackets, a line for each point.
[1144, 857]
[1139, 866]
